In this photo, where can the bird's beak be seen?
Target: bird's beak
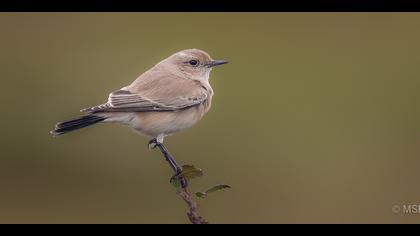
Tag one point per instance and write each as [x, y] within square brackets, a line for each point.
[217, 62]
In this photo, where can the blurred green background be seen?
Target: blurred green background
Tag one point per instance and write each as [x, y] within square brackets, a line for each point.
[315, 120]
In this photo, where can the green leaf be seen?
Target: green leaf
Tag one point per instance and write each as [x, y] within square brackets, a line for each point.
[189, 172]
[212, 189]
[176, 182]
[217, 188]
[201, 194]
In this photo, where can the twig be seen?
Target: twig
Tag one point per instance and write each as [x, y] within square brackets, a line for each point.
[182, 190]
[192, 213]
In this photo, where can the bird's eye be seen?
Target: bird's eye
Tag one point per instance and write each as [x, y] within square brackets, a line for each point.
[193, 62]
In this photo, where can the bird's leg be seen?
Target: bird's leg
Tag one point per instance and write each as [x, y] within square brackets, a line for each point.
[174, 165]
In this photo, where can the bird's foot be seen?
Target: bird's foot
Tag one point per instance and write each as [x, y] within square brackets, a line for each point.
[178, 179]
[152, 144]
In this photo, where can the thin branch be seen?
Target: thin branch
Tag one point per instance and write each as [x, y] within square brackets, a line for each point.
[192, 213]
[182, 191]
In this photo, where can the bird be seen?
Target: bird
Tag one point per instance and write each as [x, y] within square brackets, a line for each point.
[170, 97]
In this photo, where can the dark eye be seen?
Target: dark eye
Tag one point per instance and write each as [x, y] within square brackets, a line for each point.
[193, 62]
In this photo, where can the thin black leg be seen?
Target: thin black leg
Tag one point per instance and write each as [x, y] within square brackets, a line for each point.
[174, 165]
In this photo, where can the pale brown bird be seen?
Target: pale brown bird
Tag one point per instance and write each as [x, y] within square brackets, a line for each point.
[170, 97]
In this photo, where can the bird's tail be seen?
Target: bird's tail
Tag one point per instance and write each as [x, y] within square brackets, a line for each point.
[75, 124]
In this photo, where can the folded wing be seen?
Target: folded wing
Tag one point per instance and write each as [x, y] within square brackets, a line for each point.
[154, 92]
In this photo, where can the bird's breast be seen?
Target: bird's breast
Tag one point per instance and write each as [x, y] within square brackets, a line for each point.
[155, 123]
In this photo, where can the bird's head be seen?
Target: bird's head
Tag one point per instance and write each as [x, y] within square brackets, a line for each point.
[193, 63]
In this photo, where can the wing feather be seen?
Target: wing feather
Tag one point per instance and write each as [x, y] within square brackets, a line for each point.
[156, 91]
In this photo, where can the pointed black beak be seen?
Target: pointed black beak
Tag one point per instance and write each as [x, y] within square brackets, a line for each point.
[217, 62]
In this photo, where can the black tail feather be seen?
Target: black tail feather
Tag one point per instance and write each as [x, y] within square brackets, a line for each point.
[75, 124]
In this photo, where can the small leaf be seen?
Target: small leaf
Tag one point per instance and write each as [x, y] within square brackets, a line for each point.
[176, 182]
[212, 189]
[190, 172]
[201, 194]
[217, 188]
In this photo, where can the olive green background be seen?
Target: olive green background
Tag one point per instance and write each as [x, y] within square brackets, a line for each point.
[315, 119]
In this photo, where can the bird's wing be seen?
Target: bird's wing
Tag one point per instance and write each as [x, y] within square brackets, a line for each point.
[156, 91]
